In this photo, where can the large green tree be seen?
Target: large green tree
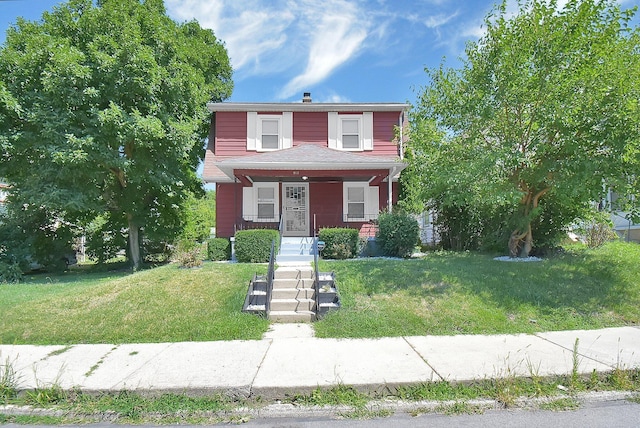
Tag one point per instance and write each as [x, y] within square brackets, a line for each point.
[103, 113]
[540, 116]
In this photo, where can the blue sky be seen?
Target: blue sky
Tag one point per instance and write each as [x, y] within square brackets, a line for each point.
[339, 50]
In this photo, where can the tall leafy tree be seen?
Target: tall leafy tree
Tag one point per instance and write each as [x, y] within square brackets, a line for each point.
[538, 118]
[103, 112]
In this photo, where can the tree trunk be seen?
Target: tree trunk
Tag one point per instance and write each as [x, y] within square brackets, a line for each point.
[527, 243]
[521, 243]
[134, 243]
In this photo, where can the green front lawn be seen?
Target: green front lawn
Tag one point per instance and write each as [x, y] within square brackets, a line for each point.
[157, 305]
[460, 293]
[443, 293]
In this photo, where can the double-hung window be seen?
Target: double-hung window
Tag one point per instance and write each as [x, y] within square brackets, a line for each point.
[261, 202]
[360, 201]
[352, 132]
[267, 132]
[266, 203]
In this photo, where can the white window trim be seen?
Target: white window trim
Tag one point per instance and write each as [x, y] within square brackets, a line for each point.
[250, 202]
[254, 130]
[371, 201]
[365, 130]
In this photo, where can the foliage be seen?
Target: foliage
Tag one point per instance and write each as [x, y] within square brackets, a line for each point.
[398, 234]
[597, 229]
[200, 217]
[254, 246]
[218, 249]
[107, 100]
[8, 381]
[105, 238]
[543, 111]
[339, 242]
[10, 272]
[30, 239]
[189, 254]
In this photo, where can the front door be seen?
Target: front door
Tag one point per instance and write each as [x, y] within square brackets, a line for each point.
[296, 209]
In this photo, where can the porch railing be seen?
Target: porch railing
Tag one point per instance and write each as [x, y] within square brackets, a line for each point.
[316, 276]
[270, 275]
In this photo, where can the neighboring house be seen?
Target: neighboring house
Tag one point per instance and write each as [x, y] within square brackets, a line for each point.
[311, 165]
[624, 227]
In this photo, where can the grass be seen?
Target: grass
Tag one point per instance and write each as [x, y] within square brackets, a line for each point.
[165, 304]
[441, 294]
[466, 293]
[75, 407]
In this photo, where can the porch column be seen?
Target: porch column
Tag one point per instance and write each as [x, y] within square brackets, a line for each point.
[390, 191]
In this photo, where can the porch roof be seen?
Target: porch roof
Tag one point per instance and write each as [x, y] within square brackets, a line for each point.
[305, 157]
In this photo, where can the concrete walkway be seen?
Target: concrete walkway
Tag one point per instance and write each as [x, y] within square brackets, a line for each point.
[290, 360]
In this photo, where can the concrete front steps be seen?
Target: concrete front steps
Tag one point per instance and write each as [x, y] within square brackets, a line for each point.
[293, 296]
[295, 250]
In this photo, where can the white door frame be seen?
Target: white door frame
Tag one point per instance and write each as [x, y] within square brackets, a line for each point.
[286, 210]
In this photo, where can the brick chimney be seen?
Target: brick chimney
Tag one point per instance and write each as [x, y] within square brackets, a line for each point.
[306, 97]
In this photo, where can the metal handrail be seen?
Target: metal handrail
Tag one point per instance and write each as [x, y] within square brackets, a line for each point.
[316, 280]
[270, 275]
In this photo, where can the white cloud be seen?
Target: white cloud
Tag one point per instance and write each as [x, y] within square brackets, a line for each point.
[303, 38]
[251, 30]
[337, 31]
[435, 21]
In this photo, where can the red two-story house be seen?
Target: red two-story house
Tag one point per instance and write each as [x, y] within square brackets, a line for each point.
[303, 166]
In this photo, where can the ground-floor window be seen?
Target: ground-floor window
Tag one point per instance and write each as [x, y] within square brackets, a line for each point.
[360, 201]
[261, 202]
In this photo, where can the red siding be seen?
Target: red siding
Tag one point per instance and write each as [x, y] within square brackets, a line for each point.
[310, 128]
[383, 133]
[325, 202]
[228, 208]
[231, 134]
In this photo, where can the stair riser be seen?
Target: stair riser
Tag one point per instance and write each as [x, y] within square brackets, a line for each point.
[286, 305]
[287, 293]
[293, 283]
[291, 317]
[295, 252]
[293, 274]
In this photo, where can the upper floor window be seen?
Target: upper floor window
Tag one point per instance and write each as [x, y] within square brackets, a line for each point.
[352, 132]
[267, 132]
[269, 135]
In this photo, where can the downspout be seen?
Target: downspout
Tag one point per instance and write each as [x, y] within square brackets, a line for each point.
[401, 142]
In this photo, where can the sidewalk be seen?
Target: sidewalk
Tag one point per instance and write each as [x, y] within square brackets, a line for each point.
[289, 360]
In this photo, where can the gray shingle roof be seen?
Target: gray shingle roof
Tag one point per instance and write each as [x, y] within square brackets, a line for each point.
[310, 156]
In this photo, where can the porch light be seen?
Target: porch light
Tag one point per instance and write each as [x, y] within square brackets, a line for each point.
[305, 178]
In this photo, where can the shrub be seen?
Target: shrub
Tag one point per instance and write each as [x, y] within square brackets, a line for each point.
[218, 249]
[398, 234]
[10, 272]
[254, 246]
[340, 242]
[189, 254]
[597, 229]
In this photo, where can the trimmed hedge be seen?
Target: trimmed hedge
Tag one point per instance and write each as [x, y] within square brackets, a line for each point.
[254, 246]
[218, 249]
[398, 234]
[340, 242]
